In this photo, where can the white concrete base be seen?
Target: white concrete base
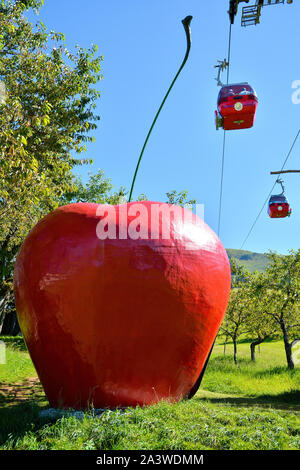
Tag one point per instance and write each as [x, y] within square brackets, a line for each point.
[55, 413]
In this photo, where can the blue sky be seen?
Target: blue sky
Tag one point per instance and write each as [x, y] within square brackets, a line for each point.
[143, 43]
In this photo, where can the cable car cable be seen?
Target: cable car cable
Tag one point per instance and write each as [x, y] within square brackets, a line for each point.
[224, 138]
[270, 193]
[229, 52]
[221, 184]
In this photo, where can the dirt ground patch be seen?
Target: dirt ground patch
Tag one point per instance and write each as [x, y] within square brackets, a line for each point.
[27, 390]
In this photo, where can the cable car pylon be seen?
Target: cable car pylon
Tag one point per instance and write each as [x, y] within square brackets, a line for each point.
[251, 14]
[283, 171]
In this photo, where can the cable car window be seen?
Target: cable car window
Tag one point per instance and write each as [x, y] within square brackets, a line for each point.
[233, 90]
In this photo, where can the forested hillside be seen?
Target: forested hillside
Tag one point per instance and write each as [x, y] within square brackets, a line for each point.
[251, 260]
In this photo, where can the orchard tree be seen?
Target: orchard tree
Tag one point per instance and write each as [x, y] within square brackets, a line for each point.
[236, 319]
[46, 119]
[282, 292]
[260, 326]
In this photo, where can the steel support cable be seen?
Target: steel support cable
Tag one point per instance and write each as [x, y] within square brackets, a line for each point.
[221, 184]
[224, 138]
[257, 217]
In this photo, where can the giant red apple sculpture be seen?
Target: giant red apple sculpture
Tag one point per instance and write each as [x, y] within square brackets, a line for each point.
[120, 305]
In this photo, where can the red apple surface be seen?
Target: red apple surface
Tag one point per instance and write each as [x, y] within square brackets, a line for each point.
[120, 305]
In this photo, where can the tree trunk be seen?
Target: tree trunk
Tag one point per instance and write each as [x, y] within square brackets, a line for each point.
[225, 344]
[2, 313]
[235, 351]
[10, 325]
[252, 348]
[287, 346]
[3, 308]
[255, 343]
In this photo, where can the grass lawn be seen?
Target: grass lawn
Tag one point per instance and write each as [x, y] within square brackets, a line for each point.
[267, 380]
[249, 406]
[18, 365]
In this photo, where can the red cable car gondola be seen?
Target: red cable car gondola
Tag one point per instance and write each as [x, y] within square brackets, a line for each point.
[278, 206]
[237, 105]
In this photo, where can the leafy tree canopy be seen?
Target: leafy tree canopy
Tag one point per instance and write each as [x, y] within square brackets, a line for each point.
[46, 119]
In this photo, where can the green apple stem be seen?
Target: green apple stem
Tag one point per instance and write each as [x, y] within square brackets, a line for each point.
[186, 23]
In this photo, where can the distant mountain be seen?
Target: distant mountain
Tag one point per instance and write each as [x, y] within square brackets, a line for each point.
[251, 260]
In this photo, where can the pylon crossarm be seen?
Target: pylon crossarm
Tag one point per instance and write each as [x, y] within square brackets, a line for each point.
[283, 171]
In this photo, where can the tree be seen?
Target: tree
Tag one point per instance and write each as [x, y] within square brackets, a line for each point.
[237, 313]
[260, 325]
[180, 199]
[234, 324]
[282, 295]
[98, 189]
[47, 117]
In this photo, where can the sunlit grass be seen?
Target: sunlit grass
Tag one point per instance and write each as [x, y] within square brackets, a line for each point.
[189, 425]
[18, 365]
[248, 406]
[269, 353]
[267, 376]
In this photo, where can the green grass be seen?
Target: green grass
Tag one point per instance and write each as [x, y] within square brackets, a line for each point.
[188, 425]
[18, 364]
[267, 379]
[249, 406]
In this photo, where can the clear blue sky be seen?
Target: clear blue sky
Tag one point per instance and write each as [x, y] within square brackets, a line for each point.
[143, 42]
